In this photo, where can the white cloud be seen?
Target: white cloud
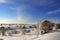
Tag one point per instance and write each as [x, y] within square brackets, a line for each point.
[6, 1]
[3, 1]
[54, 11]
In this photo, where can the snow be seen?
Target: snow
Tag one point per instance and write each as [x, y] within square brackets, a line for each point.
[21, 37]
[52, 35]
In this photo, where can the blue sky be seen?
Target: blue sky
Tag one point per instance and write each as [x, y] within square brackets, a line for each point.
[29, 11]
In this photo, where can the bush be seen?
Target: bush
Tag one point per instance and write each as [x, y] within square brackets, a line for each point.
[57, 26]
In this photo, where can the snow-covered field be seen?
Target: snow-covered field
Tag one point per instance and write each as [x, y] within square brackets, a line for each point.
[53, 35]
[21, 37]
